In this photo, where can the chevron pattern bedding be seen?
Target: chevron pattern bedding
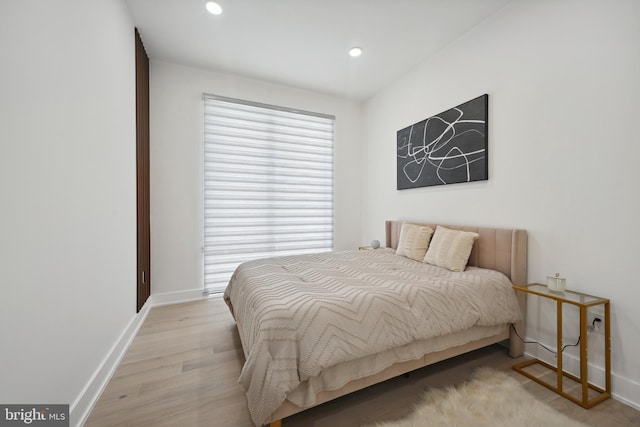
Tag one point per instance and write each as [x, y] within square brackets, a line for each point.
[301, 314]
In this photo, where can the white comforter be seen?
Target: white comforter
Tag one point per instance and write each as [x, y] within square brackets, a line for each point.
[301, 314]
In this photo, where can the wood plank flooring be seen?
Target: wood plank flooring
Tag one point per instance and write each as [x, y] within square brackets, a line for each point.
[182, 370]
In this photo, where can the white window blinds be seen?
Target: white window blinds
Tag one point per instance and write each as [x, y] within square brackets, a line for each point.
[268, 184]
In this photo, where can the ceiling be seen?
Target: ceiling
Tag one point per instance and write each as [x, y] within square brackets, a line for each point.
[304, 43]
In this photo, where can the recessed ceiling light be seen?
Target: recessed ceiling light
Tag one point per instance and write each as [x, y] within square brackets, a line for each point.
[213, 8]
[355, 51]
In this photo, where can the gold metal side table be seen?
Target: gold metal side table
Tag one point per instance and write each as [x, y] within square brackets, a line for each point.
[583, 301]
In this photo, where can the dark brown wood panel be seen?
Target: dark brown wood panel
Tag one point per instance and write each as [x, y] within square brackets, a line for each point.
[142, 172]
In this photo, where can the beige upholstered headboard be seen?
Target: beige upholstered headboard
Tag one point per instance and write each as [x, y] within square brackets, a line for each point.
[501, 249]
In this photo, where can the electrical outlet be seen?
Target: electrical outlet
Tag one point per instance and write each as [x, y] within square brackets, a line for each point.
[595, 322]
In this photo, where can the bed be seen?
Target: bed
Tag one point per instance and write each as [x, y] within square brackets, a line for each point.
[317, 327]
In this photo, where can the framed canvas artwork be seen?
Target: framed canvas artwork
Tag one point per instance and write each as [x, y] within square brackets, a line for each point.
[447, 148]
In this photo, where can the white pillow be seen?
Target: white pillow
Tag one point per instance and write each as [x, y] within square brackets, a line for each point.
[450, 248]
[414, 241]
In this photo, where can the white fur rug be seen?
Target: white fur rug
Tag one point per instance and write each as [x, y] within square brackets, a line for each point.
[492, 399]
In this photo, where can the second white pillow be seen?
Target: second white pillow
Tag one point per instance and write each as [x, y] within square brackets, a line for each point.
[450, 248]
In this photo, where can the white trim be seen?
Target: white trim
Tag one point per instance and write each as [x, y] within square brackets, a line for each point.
[82, 407]
[626, 388]
[177, 297]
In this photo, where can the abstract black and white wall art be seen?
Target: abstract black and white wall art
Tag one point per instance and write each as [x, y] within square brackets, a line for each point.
[448, 148]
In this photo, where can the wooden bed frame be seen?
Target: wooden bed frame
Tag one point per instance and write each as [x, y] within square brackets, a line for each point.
[504, 250]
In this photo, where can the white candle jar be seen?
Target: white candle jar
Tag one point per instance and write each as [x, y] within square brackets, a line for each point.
[556, 283]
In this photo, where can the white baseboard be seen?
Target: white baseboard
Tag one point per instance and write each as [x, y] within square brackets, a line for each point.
[622, 389]
[176, 297]
[81, 408]
[625, 388]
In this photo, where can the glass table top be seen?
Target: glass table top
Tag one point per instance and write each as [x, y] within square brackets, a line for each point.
[566, 295]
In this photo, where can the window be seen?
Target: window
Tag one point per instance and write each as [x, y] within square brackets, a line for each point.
[268, 184]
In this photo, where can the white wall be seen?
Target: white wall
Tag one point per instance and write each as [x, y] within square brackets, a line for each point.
[176, 148]
[67, 193]
[564, 100]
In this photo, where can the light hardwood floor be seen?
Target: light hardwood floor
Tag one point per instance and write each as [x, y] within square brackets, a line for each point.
[182, 370]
